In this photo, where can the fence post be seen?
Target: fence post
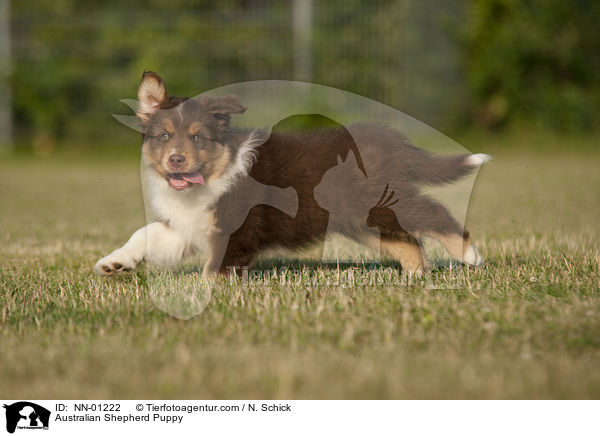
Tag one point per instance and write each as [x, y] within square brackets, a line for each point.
[302, 25]
[6, 139]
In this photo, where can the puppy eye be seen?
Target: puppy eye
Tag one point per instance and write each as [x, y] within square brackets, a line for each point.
[196, 138]
[164, 136]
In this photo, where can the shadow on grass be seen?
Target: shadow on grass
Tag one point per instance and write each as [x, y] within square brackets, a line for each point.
[307, 264]
[297, 265]
[438, 265]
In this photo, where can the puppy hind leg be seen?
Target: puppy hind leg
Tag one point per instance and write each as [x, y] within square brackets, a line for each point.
[460, 248]
[406, 250]
[431, 218]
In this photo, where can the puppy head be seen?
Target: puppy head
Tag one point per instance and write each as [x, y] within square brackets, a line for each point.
[187, 141]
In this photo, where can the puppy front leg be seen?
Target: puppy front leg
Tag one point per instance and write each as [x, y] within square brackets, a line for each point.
[156, 243]
[217, 246]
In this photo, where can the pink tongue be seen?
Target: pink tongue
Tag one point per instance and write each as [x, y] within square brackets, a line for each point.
[194, 178]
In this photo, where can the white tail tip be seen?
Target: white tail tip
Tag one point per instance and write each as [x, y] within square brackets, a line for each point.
[478, 159]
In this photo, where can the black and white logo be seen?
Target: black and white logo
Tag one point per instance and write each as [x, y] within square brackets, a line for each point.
[26, 415]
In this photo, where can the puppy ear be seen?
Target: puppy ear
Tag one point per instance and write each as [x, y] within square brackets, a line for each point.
[151, 94]
[223, 107]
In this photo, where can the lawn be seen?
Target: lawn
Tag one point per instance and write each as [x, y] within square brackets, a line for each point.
[526, 325]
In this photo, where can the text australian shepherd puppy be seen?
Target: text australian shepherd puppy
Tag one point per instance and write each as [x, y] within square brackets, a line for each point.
[230, 193]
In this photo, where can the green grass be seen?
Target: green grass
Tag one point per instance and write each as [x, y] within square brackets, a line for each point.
[527, 325]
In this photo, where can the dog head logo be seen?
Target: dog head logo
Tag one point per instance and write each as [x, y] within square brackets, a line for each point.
[26, 415]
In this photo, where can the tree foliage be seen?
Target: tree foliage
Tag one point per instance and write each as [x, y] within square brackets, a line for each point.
[535, 61]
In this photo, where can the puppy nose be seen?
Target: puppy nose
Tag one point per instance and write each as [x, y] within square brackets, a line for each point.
[176, 160]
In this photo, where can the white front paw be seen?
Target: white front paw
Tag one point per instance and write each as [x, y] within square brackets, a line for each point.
[116, 262]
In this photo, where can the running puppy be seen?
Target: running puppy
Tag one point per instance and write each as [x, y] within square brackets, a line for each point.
[231, 193]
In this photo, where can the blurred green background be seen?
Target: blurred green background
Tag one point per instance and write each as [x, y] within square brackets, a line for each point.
[459, 66]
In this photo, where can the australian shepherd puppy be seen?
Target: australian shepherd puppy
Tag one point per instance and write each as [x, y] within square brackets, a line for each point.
[232, 193]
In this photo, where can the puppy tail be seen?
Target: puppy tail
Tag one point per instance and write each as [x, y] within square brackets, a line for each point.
[438, 170]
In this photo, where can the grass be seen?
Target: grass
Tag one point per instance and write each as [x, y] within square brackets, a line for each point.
[527, 325]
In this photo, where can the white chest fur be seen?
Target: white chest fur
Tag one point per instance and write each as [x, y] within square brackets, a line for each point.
[188, 212]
